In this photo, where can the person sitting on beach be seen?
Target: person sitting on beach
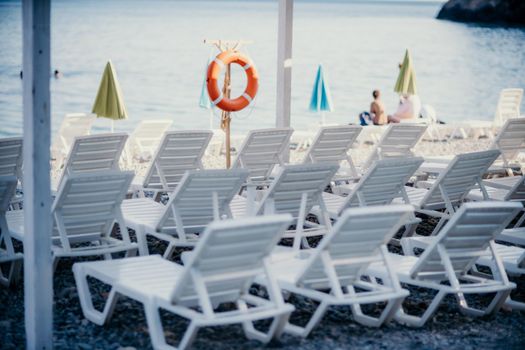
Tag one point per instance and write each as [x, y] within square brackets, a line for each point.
[409, 108]
[377, 109]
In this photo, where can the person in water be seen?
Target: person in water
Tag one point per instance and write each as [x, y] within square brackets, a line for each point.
[57, 74]
[377, 109]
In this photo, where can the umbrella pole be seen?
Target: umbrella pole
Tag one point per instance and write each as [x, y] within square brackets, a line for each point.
[323, 118]
[226, 119]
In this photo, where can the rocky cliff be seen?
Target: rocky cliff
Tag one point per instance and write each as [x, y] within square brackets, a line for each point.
[501, 12]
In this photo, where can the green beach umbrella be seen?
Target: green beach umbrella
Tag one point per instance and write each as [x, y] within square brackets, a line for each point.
[109, 102]
[406, 81]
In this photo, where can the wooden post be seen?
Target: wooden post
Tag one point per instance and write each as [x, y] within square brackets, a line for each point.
[284, 66]
[223, 45]
[226, 118]
[38, 273]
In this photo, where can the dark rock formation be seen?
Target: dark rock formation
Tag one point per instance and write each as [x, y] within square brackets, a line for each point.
[502, 12]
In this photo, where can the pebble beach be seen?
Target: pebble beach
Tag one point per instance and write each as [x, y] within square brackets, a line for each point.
[127, 330]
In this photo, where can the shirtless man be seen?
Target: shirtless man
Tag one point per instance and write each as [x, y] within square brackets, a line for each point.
[377, 109]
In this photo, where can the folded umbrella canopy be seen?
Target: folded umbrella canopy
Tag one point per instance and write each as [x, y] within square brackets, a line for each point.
[406, 81]
[321, 100]
[109, 102]
[204, 101]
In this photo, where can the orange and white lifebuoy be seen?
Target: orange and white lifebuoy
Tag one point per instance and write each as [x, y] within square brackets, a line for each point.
[212, 81]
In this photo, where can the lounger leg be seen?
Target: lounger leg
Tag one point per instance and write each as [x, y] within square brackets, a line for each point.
[156, 330]
[415, 321]
[86, 300]
[169, 251]
[55, 263]
[13, 273]
[515, 305]
[275, 331]
[392, 306]
[314, 320]
[496, 303]
[142, 241]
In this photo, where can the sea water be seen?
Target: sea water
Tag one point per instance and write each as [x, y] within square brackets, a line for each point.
[157, 49]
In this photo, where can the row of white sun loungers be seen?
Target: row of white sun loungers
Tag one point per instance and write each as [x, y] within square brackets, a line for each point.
[258, 152]
[234, 220]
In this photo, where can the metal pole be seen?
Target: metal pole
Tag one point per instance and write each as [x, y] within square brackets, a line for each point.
[38, 273]
[284, 65]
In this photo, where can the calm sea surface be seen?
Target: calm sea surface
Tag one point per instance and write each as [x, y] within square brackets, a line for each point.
[158, 51]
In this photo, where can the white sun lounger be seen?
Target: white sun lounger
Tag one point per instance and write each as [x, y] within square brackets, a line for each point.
[380, 185]
[332, 144]
[201, 197]
[73, 125]
[452, 186]
[510, 142]
[11, 157]
[261, 151]
[515, 192]
[513, 259]
[397, 141]
[178, 152]
[511, 188]
[145, 138]
[8, 256]
[295, 190]
[330, 273]
[221, 269]
[509, 104]
[93, 153]
[507, 189]
[85, 211]
[445, 266]
[508, 107]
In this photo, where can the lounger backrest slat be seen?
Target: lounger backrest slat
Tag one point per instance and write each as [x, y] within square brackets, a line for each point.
[292, 182]
[397, 141]
[511, 139]
[459, 177]
[382, 182]
[262, 150]
[88, 204]
[508, 104]
[332, 143]
[465, 237]
[147, 134]
[229, 256]
[357, 236]
[7, 191]
[96, 153]
[193, 200]
[178, 152]
[11, 156]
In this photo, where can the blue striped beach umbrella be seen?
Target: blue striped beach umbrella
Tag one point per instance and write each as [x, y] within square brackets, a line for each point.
[321, 100]
[204, 101]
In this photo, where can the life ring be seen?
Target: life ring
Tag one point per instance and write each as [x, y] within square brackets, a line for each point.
[212, 81]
